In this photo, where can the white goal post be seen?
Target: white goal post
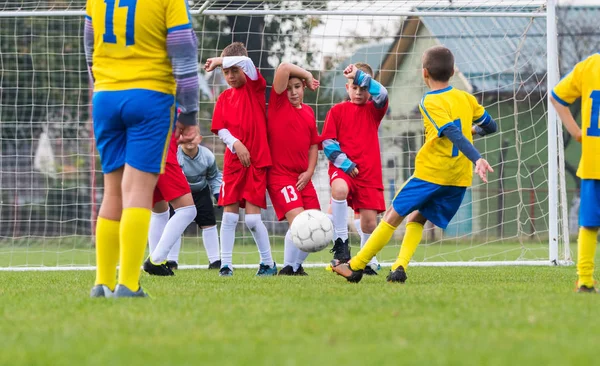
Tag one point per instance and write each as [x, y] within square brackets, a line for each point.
[506, 55]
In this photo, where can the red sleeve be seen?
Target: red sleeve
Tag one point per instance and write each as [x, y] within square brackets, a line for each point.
[217, 119]
[276, 101]
[378, 113]
[330, 128]
[259, 85]
[314, 135]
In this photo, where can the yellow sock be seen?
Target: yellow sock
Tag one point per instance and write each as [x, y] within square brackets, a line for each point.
[586, 251]
[107, 252]
[380, 237]
[412, 237]
[135, 223]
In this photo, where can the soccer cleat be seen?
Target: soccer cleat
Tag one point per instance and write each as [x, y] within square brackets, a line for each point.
[369, 271]
[286, 271]
[215, 265]
[344, 270]
[300, 272]
[173, 265]
[585, 289]
[398, 275]
[225, 271]
[101, 291]
[264, 270]
[341, 250]
[123, 291]
[157, 269]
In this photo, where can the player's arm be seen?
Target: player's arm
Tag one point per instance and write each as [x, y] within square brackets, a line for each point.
[364, 80]
[331, 146]
[214, 176]
[88, 39]
[564, 94]
[287, 70]
[243, 62]
[484, 124]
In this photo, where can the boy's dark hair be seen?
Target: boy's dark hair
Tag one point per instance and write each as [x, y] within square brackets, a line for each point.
[235, 49]
[364, 67]
[439, 63]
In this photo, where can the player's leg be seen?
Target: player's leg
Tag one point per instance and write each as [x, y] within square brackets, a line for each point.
[412, 238]
[340, 188]
[589, 221]
[229, 222]
[310, 201]
[357, 226]
[255, 196]
[290, 251]
[158, 221]
[110, 135]
[173, 257]
[206, 220]
[149, 117]
[368, 223]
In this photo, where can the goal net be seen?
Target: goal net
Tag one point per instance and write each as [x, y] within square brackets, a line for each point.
[51, 179]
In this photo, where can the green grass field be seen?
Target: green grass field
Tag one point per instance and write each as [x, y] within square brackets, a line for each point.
[441, 316]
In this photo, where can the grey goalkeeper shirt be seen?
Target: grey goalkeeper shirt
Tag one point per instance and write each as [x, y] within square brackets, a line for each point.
[200, 170]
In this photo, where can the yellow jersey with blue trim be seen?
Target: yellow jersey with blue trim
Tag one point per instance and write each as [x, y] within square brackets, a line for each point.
[584, 81]
[439, 161]
[130, 42]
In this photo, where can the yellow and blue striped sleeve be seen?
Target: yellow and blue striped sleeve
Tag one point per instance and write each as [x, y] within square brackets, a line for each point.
[434, 113]
[178, 15]
[569, 87]
[480, 116]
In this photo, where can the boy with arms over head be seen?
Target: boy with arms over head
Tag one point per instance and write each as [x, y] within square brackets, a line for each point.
[584, 81]
[140, 58]
[239, 120]
[351, 143]
[443, 169]
[293, 140]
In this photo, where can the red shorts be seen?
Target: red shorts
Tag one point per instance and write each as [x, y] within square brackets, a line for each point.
[359, 197]
[171, 184]
[285, 197]
[244, 184]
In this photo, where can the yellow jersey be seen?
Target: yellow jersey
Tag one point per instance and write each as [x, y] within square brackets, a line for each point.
[130, 42]
[584, 81]
[439, 161]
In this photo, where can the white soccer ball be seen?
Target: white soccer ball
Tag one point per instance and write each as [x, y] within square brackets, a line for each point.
[312, 231]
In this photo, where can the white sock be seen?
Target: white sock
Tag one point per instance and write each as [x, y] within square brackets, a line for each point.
[300, 257]
[261, 237]
[158, 221]
[173, 230]
[358, 229]
[289, 250]
[210, 238]
[174, 253]
[228, 225]
[363, 239]
[339, 210]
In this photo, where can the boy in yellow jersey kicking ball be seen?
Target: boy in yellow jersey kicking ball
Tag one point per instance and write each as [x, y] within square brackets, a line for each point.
[584, 82]
[139, 57]
[443, 169]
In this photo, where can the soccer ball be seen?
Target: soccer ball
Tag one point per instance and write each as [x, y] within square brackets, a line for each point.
[312, 231]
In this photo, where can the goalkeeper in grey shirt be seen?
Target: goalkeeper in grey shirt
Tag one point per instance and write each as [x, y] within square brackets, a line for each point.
[200, 169]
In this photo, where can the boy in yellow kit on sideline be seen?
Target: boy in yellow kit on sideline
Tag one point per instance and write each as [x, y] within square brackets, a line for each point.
[443, 169]
[584, 82]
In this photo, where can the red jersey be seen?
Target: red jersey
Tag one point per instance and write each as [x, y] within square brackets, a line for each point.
[291, 133]
[355, 128]
[242, 111]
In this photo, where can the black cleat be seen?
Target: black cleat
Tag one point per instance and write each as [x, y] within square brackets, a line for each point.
[585, 289]
[399, 275]
[341, 250]
[172, 265]
[369, 271]
[300, 272]
[157, 269]
[286, 271]
[225, 271]
[344, 270]
[215, 265]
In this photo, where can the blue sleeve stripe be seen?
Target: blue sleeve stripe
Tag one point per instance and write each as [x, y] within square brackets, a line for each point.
[485, 116]
[88, 17]
[441, 129]
[427, 114]
[558, 99]
[179, 27]
[359, 77]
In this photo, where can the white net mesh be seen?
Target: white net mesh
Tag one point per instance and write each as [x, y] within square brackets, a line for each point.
[51, 181]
